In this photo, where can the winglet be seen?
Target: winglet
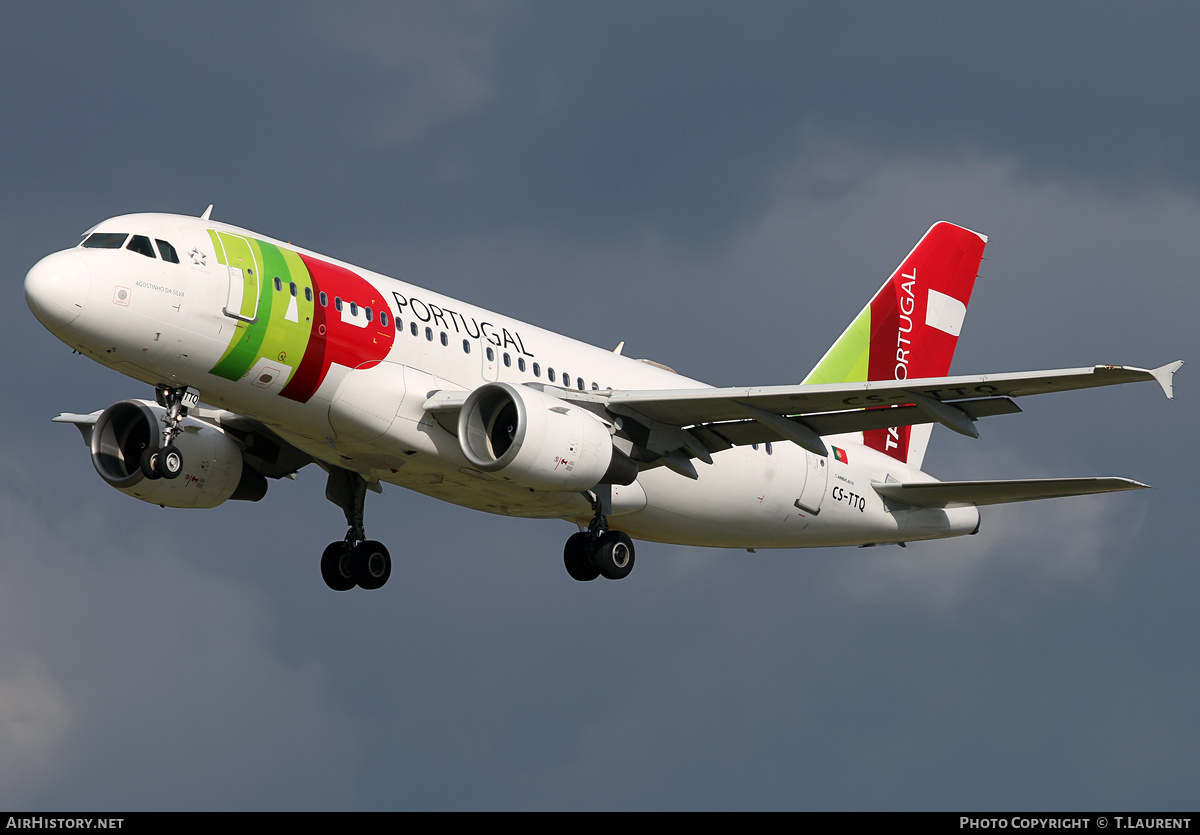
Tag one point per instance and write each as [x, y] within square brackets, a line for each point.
[1165, 376]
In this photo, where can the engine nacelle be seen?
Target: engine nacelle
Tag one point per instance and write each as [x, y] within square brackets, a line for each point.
[213, 471]
[539, 441]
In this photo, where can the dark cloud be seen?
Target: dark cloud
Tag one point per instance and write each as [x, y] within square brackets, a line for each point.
[592, 119]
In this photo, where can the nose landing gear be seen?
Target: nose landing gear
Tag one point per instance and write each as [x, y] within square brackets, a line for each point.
[167, 461]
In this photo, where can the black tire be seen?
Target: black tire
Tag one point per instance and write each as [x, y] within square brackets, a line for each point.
[575, 557]
[335, 567]
[614, 555]
[149, 463]
[170, 462]
[371, 564]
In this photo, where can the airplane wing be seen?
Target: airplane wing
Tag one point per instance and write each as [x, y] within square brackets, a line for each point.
[803, 413]
[679, 424]
[963, 493]
[684, 407]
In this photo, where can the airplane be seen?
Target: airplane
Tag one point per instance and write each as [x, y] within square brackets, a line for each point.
[299, 358]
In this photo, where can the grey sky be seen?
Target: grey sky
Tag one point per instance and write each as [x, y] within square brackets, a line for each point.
[721, 186]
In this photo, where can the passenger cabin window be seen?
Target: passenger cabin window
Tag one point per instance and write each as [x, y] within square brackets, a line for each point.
[324, 299]
[105, 240]
[278, 284]
[383, 318]
[167, 251]
[141, 245]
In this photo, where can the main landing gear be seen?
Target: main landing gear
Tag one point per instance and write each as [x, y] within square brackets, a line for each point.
[167, 461]
[598, 551]
[356, 560]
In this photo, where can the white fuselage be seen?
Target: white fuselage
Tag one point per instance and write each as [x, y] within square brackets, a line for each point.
[162, 322]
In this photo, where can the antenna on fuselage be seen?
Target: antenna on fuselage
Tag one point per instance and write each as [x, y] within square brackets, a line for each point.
[207, 212]
[620, 347]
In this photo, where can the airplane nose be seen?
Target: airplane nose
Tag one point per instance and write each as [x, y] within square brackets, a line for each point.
[56, 289]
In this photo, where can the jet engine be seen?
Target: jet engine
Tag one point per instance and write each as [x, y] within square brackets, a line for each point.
[213, 470]
[539, 441]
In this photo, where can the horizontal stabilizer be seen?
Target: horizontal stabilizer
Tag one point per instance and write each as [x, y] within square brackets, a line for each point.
[963, 493]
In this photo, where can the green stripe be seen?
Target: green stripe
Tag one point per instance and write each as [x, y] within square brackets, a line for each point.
[243, 352]
[285, 340]
[848, 361]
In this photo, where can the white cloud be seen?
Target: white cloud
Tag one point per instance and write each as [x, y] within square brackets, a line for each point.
[35, 720]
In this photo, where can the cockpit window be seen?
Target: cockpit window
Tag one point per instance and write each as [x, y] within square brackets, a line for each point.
[141, 245]
[167, 251]
[105, 240]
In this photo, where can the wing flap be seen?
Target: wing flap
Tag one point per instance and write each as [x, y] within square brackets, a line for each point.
[742, 432]
[963, 493]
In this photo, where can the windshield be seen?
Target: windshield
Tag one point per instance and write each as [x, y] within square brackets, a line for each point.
[105, 240]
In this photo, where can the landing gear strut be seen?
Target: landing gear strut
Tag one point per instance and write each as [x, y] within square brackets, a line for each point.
[167, 461]
[356, 560]
[598, 551]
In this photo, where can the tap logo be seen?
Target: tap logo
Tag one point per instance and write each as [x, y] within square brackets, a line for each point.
[298, 312]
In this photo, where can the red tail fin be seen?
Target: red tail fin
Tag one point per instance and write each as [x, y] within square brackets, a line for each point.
[910, 329]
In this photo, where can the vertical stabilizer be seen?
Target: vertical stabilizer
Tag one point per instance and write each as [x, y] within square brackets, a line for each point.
[910, 328]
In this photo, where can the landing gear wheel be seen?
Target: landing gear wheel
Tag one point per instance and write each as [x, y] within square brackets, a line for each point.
[575, 556]
[149, 463]
[614, 555]
[335, 567]
[170, 462]
[371, 564]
